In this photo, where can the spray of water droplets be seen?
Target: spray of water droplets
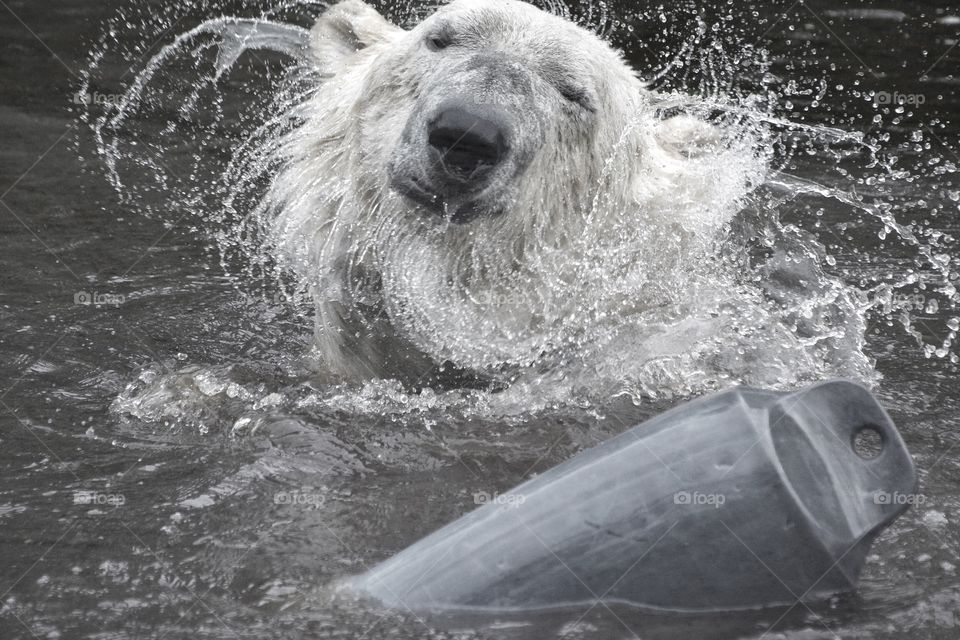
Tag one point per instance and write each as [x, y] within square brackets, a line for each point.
[801, 235]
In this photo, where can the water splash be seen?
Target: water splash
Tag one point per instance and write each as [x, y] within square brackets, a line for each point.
[792, 218]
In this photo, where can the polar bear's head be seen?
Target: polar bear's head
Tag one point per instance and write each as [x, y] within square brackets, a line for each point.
[481, 109]
[454, 190]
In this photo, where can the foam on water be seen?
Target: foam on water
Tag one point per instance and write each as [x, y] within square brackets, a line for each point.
[758, 283]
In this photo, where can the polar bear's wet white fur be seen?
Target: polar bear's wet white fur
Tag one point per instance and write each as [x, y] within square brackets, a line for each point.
[469, 197]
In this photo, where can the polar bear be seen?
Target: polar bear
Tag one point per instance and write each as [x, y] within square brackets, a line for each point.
[467, 198]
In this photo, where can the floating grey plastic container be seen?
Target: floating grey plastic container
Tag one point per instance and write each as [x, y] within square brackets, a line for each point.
[742, 499]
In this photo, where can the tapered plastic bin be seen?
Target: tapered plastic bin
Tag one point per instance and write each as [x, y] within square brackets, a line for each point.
[743, 499]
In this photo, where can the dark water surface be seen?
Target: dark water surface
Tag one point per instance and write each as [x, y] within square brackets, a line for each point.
[223, 506]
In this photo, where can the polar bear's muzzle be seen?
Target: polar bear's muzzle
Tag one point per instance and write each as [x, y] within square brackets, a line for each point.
[457, 161]
[466, 143]
[470, 135]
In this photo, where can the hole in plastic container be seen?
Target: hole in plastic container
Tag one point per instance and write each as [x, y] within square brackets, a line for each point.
[868, 442]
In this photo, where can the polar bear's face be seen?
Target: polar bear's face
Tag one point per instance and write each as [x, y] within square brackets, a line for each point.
[491, 95]
[453, 113]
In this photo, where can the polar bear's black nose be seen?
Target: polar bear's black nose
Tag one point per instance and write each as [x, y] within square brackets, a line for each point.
[468, 145]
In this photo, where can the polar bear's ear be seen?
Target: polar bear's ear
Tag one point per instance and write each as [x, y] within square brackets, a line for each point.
[344, 29]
